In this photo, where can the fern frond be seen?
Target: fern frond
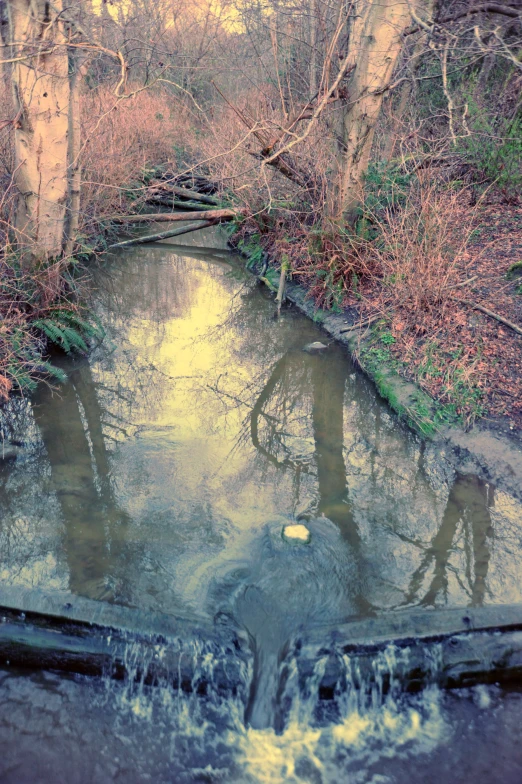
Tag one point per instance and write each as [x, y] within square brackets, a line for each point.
[51, 329]
[43, 366]
[74, 339]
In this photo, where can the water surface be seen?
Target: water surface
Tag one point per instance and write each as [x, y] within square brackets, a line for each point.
[160, 476]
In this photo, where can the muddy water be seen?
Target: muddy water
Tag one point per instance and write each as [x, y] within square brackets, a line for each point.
[160, 477]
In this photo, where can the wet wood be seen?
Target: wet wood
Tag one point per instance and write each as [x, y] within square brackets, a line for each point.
[450, 647]
[75, 635]
[163, 235]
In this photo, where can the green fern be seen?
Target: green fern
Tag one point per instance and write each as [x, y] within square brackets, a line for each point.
[50, 329]
[69, 331]
[43, 366]
[89, 329]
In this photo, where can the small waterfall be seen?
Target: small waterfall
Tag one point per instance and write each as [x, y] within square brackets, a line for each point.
[181, 678]
[345, 715]
[363, 719]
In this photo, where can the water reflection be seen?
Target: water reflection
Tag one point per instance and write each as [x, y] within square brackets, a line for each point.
[467, 509]
[155, 477]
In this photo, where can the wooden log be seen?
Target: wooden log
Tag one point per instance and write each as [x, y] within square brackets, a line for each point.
[93, 638]
[163, 235]
[221, 215]
[187, 193]
[450, 647]
[184, 205]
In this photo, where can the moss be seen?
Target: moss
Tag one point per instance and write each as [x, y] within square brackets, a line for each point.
[514, 271]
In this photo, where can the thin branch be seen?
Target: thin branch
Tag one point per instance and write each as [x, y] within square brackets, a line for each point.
[163, 235]
[490, 313]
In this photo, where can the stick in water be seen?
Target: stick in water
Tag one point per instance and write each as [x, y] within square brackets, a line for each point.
[163, 235]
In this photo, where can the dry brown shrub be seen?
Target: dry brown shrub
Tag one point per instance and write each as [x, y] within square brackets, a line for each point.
[421, 256]
[121, 140]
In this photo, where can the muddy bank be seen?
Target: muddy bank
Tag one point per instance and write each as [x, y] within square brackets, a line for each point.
[488, 450]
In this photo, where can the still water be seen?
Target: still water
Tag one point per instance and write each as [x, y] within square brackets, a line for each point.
[160, 477]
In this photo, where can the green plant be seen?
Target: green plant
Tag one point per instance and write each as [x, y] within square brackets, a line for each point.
[514, 271]
[387, 338]
[67, 330]
[493, 149]
[386, 186]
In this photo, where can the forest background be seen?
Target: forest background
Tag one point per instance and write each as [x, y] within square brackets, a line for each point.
[371, 150]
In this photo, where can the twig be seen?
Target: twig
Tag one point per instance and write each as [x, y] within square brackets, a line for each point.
[464, 282]
[490, 313]
[163, 235]
[361, 324]
[280, 298]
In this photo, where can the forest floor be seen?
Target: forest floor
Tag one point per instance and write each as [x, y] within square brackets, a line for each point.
[470, 362]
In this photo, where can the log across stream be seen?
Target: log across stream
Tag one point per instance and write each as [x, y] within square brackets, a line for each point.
[448, 647]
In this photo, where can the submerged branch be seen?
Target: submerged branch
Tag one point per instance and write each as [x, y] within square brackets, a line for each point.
[163, 235]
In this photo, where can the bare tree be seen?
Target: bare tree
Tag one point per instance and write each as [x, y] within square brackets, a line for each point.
[37, 37]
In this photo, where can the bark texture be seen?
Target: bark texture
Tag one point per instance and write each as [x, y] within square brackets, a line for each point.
[77, 70]
[375, 40]
[41, 95]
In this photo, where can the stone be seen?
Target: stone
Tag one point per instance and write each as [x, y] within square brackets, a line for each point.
[296, 534]
[317, 346]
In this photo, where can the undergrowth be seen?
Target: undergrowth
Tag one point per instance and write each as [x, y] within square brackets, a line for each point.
[38, 309]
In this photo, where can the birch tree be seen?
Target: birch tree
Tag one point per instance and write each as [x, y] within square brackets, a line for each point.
[375, 43]
[41, 92]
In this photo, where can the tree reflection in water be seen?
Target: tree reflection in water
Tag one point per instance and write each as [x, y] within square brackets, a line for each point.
[70, 423]
[466, 521]
[305, 418]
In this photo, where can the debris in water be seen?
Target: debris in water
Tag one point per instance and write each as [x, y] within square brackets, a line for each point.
[482, 697]
[314, 347]
[298, 533]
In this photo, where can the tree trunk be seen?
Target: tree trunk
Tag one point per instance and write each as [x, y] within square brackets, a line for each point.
[4, 38]
[408, 89]
[376, 43]
[77, 71]
[41, 95]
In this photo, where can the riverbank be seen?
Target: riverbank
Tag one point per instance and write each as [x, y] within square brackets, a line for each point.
[490, 447]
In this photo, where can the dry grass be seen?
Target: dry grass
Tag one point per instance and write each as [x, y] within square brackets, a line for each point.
[421, 257]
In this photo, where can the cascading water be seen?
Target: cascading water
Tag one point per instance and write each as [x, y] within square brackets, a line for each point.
[364, 722]
[368, 720]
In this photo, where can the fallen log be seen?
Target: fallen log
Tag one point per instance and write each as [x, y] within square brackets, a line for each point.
[185, 193]
[413, 648]
[191, 181]
[163, 235]
[75, 635]
[221, 215]
[453, 648]
[166, 202]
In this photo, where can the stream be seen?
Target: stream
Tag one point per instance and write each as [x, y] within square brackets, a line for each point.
[161, 477]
